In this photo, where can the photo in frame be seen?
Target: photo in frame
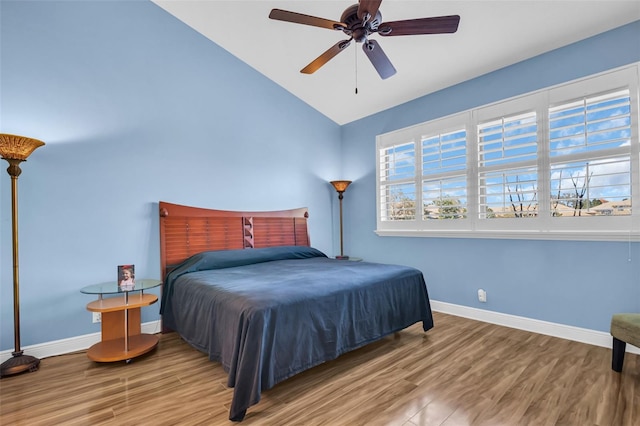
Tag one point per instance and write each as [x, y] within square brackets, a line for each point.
[126, 277]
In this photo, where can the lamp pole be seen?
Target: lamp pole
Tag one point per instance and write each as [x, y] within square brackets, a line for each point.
[16, 149]
[341, 186]
[342, 256]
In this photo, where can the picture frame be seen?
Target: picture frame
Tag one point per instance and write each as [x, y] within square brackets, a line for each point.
[126, 277]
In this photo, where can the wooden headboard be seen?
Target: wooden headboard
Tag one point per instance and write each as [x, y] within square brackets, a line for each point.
[185, 231]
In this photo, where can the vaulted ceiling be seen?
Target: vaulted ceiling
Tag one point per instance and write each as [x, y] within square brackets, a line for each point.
[491, 35]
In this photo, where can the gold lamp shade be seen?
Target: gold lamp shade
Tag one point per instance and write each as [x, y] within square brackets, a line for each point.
[13, 147]
[340, 185]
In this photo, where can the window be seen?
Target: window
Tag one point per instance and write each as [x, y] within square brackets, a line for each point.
[507, 167]
[444, 183]
[589, 148]
[561, 163]
[397, 188]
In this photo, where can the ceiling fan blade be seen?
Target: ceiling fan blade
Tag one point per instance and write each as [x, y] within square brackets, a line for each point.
[299, 18]
[325, 57]
[380, 62]
[368, 6]
[435, 25]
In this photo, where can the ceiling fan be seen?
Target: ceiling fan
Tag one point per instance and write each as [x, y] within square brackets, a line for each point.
[361, 20]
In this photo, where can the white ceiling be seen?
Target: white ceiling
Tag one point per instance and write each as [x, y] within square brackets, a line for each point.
[491, 35]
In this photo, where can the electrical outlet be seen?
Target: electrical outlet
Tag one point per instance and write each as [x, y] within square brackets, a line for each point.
[97, 317]
[482, 296]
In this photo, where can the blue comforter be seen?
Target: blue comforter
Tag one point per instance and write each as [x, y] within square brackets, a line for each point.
[268, 314]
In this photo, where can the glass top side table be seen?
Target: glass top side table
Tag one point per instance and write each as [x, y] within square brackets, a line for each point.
[112, 287]
[122, 338]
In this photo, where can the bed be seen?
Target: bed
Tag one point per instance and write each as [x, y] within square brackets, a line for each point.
[249, 290]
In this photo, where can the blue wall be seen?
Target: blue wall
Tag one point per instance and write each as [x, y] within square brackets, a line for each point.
[573, 283]
[135, 107]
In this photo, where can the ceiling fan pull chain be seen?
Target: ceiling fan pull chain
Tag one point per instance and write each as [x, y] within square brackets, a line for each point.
[355, 56]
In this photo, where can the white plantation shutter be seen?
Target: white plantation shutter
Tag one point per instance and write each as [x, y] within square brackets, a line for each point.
[508, 140]
[506, 188]
[590, 150]
[560, 163]
[591, 124]
[442, 153]
[509, 194]
[397, 171]
[444, 156]
[599, 187]
[445, 198]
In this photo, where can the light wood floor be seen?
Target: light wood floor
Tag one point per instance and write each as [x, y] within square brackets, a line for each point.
[462, 372]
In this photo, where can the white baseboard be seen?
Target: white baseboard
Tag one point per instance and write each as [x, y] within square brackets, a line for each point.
[583, 335]
[72, 344]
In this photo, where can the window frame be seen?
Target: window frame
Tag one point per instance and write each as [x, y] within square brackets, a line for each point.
[543, 226]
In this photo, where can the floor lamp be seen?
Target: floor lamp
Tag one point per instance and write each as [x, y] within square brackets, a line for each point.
[16, 149]
[341, 186]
